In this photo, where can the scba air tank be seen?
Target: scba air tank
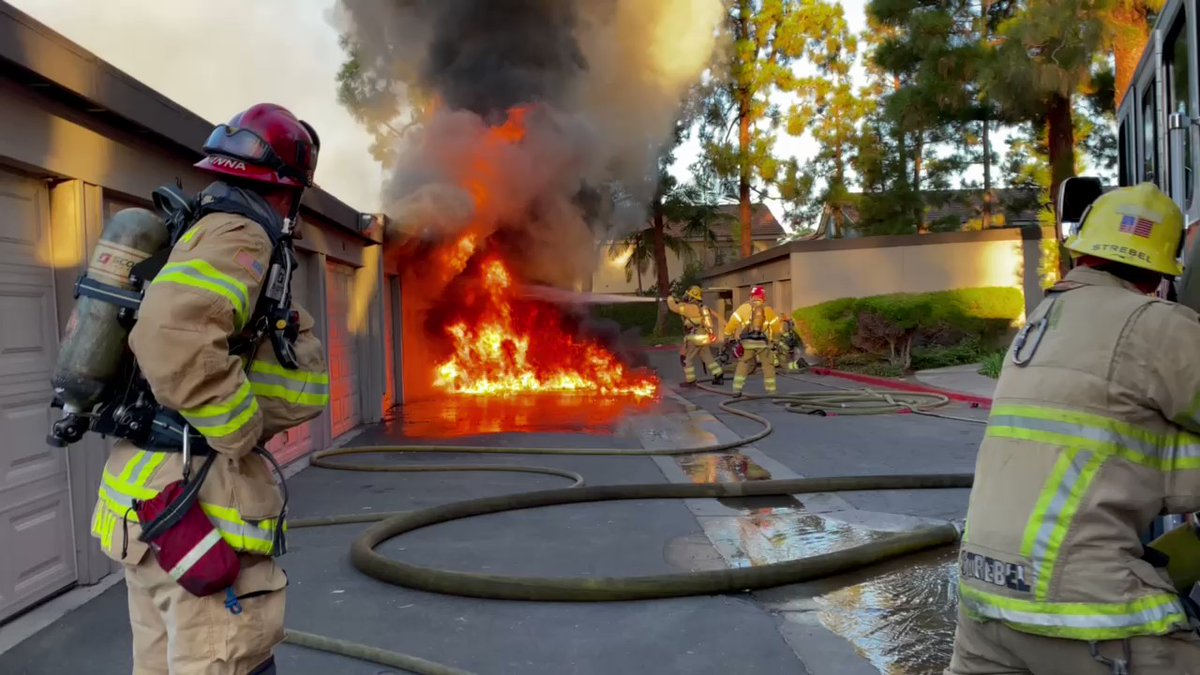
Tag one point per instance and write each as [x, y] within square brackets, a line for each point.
[94, 343]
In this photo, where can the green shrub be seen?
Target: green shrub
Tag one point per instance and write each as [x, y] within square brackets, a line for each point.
[991, 364]
[893, 325]
[970, 350]
[827, 328]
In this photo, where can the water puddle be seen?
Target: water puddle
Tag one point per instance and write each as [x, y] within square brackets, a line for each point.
[901, 618]
[736, 468]
[458, 416]
[769, 535]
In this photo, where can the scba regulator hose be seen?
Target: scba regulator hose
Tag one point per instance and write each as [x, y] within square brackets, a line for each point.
[600, 589]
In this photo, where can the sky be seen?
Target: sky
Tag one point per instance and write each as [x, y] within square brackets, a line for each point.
[217, 57]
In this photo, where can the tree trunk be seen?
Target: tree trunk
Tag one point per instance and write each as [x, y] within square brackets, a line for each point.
[987, 175]
[1131, 33]
[660, 267]
[1060, 142]
[745, 98]
[918, 156]
[745, 212]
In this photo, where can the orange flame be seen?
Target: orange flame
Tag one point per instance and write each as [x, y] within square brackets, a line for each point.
[515, 345]
[483, 336]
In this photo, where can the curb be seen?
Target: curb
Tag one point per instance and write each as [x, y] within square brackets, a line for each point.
[904, 385]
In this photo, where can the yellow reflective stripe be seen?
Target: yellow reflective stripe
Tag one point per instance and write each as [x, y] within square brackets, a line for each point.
[1165, 452]
[305, 376]
[1061, 515]
[222, 419]
[294, 386]
[241, 535]
[294, 397]
[189, 235]
[1157, 614]
[124, 488]
[200, 274]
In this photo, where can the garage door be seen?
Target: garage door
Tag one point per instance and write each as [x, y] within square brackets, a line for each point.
[344, 398]
[35, 510]
[389, 349]
[296, 442]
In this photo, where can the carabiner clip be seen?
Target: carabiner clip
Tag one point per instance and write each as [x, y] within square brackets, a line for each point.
[1021, 360]
[187, 453]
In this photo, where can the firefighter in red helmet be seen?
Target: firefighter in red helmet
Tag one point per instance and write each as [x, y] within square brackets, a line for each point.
[756, 325]
[232, 393]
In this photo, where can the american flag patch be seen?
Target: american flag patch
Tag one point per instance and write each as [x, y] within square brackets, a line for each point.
[250, 264]
[1137, 226]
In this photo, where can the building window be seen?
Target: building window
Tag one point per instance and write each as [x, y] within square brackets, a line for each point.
[1149, 137]
[1180, 71]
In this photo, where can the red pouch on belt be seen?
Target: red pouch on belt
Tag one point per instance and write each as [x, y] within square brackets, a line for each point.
[184, 541]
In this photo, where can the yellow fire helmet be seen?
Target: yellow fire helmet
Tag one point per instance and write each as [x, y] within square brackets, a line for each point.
[1138, 226]
[694, 293]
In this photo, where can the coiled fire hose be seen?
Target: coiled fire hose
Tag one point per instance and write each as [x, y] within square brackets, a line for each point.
[736, 580]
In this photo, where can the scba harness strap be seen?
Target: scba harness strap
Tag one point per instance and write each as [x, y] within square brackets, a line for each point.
[134, 414]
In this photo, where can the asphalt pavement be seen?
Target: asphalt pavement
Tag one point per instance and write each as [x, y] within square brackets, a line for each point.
[894, 618]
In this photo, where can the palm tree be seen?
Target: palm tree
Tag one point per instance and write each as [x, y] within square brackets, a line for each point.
[693, 215]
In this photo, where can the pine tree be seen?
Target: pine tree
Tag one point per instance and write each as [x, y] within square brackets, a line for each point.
[830, 109]
[1128, 30]
[1044, 56]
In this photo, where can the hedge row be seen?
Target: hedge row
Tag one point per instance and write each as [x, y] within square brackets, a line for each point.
[831, 329]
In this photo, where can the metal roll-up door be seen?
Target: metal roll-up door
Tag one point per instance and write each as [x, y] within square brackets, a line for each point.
[344, 396]
[36, 532]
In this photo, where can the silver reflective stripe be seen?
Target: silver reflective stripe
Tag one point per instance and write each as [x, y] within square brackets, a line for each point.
[300, 387]
[193, 556]
[1096, 434]
[1168, 451]
[115, 497]
[144, 460]
[1083, 621]
[1057, 508]
[244, 530]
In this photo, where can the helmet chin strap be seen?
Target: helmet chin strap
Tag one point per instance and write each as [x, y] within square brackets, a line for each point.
[293, 217]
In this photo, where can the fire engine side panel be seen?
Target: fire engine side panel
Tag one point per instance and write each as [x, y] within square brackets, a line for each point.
[36, 532]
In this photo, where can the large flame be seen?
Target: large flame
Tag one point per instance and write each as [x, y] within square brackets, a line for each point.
[512, 345]
[484, 337]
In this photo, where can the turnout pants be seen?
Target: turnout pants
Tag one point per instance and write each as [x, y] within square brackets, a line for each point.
[995, 649]
[177, 633]
[692, 349]
[754, 350]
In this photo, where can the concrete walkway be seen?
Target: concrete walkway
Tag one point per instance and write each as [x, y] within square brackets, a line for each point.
[961, 379]
[895, 619]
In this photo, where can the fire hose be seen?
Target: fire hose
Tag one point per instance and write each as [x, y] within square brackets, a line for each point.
[566, 589]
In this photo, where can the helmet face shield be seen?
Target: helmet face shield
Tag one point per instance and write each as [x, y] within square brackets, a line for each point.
[249, 147]
[240, 144]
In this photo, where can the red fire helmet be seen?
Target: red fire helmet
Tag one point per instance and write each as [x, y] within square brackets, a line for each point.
[759, 293]
[265, 143]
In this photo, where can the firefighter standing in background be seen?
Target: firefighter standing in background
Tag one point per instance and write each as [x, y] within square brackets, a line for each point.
[700, 334]
[756, 325]
[199, 302]
[1092, 435]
